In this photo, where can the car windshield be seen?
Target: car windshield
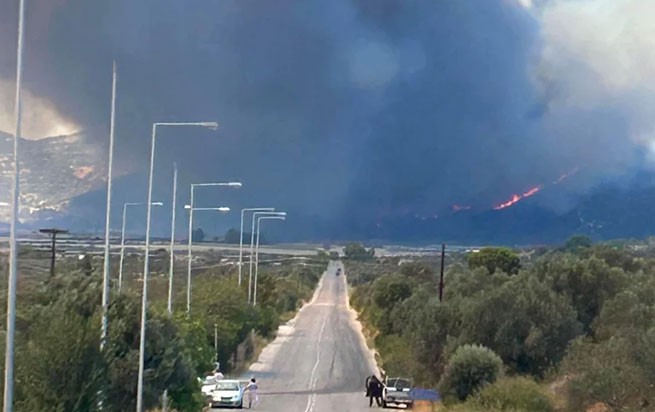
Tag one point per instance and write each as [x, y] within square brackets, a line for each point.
[227, 386]
[399, 383]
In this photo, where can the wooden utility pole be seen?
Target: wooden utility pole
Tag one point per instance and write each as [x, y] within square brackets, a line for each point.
[443, 256]
[53, 233]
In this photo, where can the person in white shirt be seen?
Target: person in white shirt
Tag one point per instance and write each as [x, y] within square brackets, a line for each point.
[251, 390]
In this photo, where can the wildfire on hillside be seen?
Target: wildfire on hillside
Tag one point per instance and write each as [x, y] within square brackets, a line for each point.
[517, 198]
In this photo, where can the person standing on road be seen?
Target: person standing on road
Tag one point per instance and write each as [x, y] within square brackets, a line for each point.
[251, 390]
[374, 390]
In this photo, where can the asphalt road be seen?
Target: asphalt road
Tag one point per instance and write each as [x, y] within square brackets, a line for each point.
[319, 361]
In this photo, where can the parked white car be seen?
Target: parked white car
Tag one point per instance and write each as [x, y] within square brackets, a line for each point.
[397, 393]
[227, 394]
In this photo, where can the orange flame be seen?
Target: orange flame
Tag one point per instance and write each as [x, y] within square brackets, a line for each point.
[517, 198]
[532, 191]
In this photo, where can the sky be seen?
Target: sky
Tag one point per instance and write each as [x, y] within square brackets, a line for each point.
[350, 109]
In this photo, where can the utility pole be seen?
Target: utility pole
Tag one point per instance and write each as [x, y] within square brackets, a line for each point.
[53, 233]
[443, 255]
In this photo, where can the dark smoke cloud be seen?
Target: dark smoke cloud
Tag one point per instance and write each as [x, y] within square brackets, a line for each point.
[339, 108]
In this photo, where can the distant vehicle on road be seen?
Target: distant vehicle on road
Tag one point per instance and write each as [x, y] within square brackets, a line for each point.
[227, 394]
[397, 392]
[338, 271]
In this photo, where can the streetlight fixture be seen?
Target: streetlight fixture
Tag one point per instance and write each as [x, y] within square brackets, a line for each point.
[8, 399]
[219, 209]
[191, 208]
[259, 219]
[252, 245]
[120, 266]
[146, 260]
[243, 211]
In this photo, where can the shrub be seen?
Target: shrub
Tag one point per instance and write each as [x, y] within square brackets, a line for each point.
[513, 394]
[606, 372]
[527, 324]
[356, 251]
[496, 258]
[396, 354]
[469, 369]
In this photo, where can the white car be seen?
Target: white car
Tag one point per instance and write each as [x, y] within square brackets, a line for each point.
[227, 394]
[397, 392]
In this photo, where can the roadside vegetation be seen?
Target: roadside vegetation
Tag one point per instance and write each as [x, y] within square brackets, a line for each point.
[573, 326]
[59, 363]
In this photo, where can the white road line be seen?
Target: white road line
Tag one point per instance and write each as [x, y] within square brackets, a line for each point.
[313, 379]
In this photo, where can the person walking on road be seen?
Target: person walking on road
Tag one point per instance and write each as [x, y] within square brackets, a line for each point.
[374, 390]
[251, 390]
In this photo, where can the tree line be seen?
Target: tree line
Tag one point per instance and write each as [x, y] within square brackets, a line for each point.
[61, 367]
[580, 316]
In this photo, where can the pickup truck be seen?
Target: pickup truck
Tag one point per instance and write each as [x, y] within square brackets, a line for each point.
[397, 393]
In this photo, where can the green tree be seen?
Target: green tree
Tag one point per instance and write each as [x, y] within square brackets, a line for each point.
[470, 369]
[426, 325]
[356, 251]
[387, 292]
[495, 258]
[617, 367]
[587, 283]
[167, 362]
[219, 301]
[578, 242]
[522, 320]
[512, 394]
[418, 270]
[233, 236]
[60, 367]
[322, 256]
[198, 235]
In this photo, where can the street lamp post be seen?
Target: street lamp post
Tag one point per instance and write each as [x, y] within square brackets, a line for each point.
[190, 240]
[8, 400]
[259, 219]
[146, 260]
[171, 266]
[243, 211]
[105, 270]
[120, 265]
[252, 246]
